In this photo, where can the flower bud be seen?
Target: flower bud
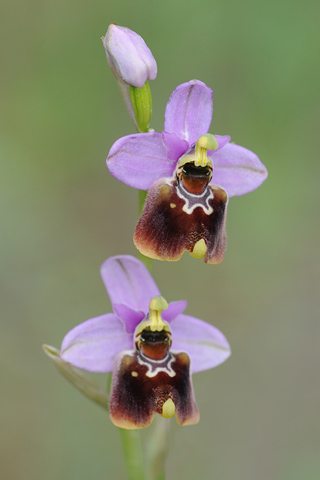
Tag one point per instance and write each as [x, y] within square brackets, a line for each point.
[132, 64]
[128, 56]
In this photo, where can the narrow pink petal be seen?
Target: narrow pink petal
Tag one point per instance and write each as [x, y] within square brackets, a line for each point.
[222, 141]
[175, 147]
[130, 317]
[129, 282]
[138, 160]
[94, 344]
[206, 346]
[174, 309]
[237, 170]
[189, 111]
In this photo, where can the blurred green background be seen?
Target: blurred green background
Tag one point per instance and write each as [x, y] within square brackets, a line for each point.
[63, 215]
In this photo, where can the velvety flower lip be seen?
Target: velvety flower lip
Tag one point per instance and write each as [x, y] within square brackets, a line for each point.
[141, 159]
[129, 57]
[94, 344]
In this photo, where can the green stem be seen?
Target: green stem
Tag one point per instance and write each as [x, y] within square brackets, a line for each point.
[141, 101]
[132, 452]
[142, 197]
[146, 260]
[157, 449]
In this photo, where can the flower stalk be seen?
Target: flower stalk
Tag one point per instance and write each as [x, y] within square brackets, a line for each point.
[132, 452]
[157, 449]
[146, 260]
[141, 101]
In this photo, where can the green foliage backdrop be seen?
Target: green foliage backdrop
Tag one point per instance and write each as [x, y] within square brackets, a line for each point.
[62, 215]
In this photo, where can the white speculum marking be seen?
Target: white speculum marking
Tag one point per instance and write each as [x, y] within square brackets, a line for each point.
[193, 201]
[157, 366]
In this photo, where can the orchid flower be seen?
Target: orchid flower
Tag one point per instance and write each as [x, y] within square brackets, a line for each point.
[151, 347]
[189, 175]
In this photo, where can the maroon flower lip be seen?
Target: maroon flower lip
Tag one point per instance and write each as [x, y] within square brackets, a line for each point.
[185, 213]
[166, 229]
[136, 398]
[152, 379]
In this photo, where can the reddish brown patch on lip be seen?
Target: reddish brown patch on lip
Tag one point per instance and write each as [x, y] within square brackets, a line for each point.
[155, 345]
[194, 185]
[195, 179]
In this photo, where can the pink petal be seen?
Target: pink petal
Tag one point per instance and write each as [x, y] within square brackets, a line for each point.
[138, 160]
[189, 111]
[175, 147]
[174, 309]
[94, 344]
[222, 141]
[206, 346]
[128, 282]
[237, 170]
[130, 317]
